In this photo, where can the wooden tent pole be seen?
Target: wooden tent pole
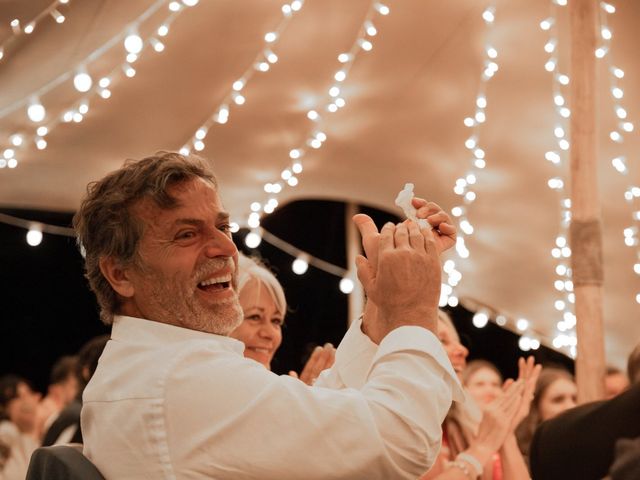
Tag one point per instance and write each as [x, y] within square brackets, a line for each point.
[586, 230]
[356, 298]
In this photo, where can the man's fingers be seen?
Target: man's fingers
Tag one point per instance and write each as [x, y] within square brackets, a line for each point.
[365, 272]
[370, 236]
[416, 239]
[401, 235]
[386, 236]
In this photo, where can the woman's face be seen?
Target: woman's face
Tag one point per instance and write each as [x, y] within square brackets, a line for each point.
[261, 329]
[484, 385]
[22, 409]
[558, 397]
[456, 352]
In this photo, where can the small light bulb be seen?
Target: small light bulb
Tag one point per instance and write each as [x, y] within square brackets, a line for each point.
[346, 285]
[36, 111]
[270, 37]
[42, 131]
[82, 81]
[300, 265]
[133, 43]
[252, 240]
[16, 139]
[163, 30]
[34, 237]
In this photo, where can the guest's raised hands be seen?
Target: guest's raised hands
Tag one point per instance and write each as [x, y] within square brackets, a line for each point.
[321, 358]
[528, 373]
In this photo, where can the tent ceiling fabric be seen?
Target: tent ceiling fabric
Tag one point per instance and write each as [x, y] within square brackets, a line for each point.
[403, 122]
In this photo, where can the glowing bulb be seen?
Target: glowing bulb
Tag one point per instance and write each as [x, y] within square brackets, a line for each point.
[340, 75]
[34, 237]
[41, 143]
[163, 30]
[607, 7]
[16, 139]
[57, 16]
[286, 174]
[340, 102]
[300, 265]
[619, 164]
[346, 285]
[12, 163]
[82, 81]
[615, 136]
[312, 115]
[29, 28]
[296, 5]
[296, 167]
[8, 153]
[158, 46]
[198, 145]
[174, 6]
[270, 37]
[627, 126]
[77, 117]
[132, 57]
[271, 57]
[469, 122]
[488, 15]
[252, 240]
[129, 71]
[558, 132]
[558, 100]
[481, 102]
[344, 57]
[42, 131]
[105, 93]
[522, 324]
[238, 99]
[621, 113]
[238, 85]
[263, 66]
[546, 24]
[133, 43]
[601, 52]
[190, 3]
[480, 320]
[550, 46]
[618, 72]
[366, 45]
[35, 111]
[550, 66]
[492, 52]
[382, 9]
[563, 79]
[524, 343]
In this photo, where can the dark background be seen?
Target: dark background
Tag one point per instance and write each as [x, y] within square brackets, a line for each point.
[47, 309]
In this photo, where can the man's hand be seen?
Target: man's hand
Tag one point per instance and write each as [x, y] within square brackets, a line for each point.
[401, 274]
[444, 230]
[321, 358]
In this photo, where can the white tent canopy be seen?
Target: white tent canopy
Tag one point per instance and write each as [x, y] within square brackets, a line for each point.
[405, 102]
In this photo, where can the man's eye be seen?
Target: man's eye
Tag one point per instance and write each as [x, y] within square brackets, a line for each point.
[225, 228]
[186, 234]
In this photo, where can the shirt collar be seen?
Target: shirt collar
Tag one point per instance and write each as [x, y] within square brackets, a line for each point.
[150, 332]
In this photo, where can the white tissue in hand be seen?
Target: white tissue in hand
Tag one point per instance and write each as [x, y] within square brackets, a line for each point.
[403, 200]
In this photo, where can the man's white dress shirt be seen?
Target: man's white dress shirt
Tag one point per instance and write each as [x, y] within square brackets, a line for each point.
[169, 402]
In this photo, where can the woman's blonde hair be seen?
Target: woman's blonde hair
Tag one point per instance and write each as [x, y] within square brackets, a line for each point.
[252, 269]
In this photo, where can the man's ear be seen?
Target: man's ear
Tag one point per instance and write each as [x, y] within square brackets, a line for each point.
[117, 276]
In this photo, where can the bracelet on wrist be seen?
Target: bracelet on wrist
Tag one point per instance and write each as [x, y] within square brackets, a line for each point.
[465, 469]
[471, 460]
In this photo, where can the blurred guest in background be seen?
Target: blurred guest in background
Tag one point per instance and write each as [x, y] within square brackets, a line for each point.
[18, 433]
[63, 388]
[615, 382]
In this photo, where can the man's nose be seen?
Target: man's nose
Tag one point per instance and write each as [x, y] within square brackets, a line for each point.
[220, 245]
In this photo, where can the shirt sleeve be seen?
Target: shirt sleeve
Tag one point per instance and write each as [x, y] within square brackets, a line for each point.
[241, 420]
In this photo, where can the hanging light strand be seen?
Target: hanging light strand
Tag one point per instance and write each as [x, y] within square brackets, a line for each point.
[262, 62]
[332, 102]
[465, 185]
[84, 83]
[623, 127]
[20, 29]
[564, 299]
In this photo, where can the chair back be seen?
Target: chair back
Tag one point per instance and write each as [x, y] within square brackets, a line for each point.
[61, 462]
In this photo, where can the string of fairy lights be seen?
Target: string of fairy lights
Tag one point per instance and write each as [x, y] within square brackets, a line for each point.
[624, 126]
[565, 336]
[263, 62]
[464, 186]
[84, 75]
[265, 59]
[20, 28]
[333, 101]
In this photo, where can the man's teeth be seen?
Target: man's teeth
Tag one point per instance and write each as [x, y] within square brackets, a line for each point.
[213, 281]
[259, 350]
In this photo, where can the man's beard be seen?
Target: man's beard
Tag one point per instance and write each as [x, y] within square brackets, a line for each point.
[178, 301]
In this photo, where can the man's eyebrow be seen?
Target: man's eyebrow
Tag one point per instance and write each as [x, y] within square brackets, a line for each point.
[222, 216]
